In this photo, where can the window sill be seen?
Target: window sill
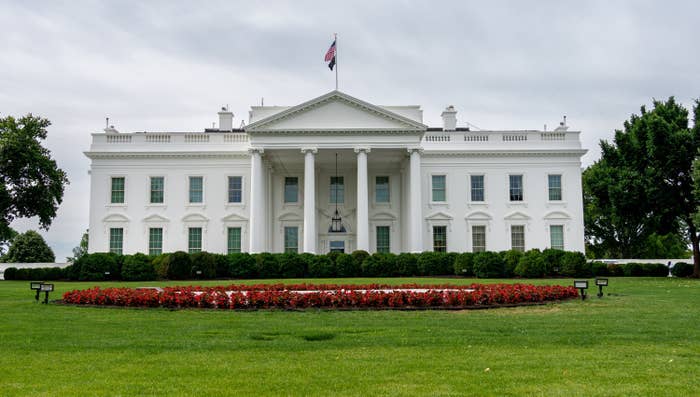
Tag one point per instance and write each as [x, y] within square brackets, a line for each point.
[116, 205]
[234, 205]
[381, 205]
[156, 205]
[556, 202]
[477, 204]
[517, 204]
[195, 205]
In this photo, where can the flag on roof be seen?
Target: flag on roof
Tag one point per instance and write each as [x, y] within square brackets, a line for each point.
[330, 56]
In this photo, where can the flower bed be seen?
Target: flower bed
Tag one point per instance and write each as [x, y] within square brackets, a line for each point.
[299, 296]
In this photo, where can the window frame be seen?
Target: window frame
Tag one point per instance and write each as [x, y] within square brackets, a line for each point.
[512, 240]
[189, 190]
[384, 249]
[331, 196]
[561, 188]
[522, 188]
[190, 248]
[151, 247]
[483, 189]
[284, 190]
[473, 235]
[286, 248]
[120, 249]
[229, 248]
[228, 190]
[388, 189]
[551, 239]
[150, 190]
[432, 188]
[432, 232]
[111, 190]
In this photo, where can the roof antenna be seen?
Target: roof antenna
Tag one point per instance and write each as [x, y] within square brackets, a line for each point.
[106, 122]
[262, 101]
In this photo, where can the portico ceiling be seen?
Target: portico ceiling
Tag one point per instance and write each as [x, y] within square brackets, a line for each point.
[291, 159]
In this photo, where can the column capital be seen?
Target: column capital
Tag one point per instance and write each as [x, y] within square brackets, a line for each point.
[313, 150]
[258, 150]
[418, 150]
[362, 149]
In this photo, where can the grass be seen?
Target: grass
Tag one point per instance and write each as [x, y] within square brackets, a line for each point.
[644, 339]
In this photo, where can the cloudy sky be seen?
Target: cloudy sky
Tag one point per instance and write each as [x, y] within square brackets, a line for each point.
[170, 65]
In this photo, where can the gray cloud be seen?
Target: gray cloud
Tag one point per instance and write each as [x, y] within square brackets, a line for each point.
[168, 65]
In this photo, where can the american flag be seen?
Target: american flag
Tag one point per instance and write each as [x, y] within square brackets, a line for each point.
[330, 54]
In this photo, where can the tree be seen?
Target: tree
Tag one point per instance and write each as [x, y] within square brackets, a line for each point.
[81, 249]
[29, 247]
[31, 184]
[642, 185]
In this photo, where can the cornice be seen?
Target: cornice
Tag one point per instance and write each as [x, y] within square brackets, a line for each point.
[341, 131]
[505, 153]
[114, 155]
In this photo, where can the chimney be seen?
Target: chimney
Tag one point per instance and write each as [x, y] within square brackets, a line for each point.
[449, 118]
[225, 119]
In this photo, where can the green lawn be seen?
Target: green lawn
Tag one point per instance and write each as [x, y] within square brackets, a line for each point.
[642, 340]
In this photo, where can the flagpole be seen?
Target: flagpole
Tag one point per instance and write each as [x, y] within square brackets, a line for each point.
[336, 60]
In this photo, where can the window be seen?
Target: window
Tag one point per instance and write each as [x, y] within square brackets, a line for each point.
[517, 237]
[291, 189]
[235, 189]
[194, 239]
[477, 183]
[116, 239]
[291, 239]
[556, 236]
[337, 246]
[554, 182]
[337, 190]
[439, 188]
[117, 190]
[157, 189]
[478, 238]
[155, 241]
[234, 240]
[516, 187]
[381, 190]
[196, 189]
[383, 239]
[440, 238]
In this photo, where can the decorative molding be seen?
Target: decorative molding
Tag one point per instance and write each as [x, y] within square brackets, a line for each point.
[517, 216]
[194, 218]
[313, 150]
[150, 155]
[116, 218]
[478, 216]
[155, 218]
[557, 215]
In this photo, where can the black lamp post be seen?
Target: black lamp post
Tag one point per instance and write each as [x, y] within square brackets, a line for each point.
[46, 288]
[601, 282]
[582, 286]
[36, 286]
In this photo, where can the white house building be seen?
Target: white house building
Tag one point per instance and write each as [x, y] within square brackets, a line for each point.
[335, 174]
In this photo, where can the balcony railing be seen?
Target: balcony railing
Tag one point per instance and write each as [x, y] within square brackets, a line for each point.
[568, 139]
[153, 140]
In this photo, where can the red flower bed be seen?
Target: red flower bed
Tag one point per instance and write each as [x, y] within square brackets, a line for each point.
[280, 296]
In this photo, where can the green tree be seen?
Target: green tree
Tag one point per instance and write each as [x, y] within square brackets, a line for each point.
[31, 184]
[642, 185]
[81, 249]
[29, 247]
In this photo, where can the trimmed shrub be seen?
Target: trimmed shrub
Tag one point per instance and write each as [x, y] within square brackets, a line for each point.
[93, 267]
[429, 263]
[573, 264]
[160, 266]
[531, 264]
[292, 265]
[321, 266]
[359, 256]
[205, 263]
[552, 261]
[345, 266]
[241, 265]
[511, 259]
[407, 264]
[267, 265]
[179, 265]
[680, 269]
[633, 269]
[222, 269]
[616, 270]
[138, 267]
[488, 265]
[464, 264]
[599, 269]
[655, 269]
[10, 273]
[380, 265]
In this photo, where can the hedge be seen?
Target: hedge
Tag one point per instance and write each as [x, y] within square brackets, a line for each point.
[203, 265]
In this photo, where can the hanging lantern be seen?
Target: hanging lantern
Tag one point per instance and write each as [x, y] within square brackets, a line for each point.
[336, 220]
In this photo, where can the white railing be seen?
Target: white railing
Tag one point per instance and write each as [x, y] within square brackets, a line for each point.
[196, 138]
[491, 138]
[514, 137]
[158, 138]
[553, 136]
[235, 138]
[166, 139]
[476, 138]
[118, 138]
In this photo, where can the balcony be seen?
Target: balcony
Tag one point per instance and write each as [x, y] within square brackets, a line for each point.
[168, 141]
[501, 140]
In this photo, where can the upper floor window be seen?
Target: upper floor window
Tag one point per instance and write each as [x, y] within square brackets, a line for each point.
[440, 238]
[117, 196]
[554, 182]
[517, 237]
[157, 189]
[516, 187]
[196, 189]
[439, 188]
[116, 240]
[337, 190]
[291, 189]
[381, 190]
[477, 187]
[235, 189]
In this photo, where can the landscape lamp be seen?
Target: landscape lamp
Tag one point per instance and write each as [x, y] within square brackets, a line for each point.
[46, 288]
[601, 282]
[582, 286]
[36, 286]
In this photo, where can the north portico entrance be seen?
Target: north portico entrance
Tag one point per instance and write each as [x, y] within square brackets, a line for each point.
[295, 188]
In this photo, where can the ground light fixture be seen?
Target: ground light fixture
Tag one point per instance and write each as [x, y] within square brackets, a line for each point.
[46, 288]
[36, 286]
[581, 285]
[601, 282]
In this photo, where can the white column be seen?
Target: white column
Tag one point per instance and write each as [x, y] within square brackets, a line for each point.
[415, 209]
[257, 202]
[362, 200]
[310, 235]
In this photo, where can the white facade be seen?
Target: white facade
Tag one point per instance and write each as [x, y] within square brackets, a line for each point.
[432, 174]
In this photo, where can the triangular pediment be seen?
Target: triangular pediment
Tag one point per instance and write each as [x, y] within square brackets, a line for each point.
[517, 216]
[439, 216]
[335, 111]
